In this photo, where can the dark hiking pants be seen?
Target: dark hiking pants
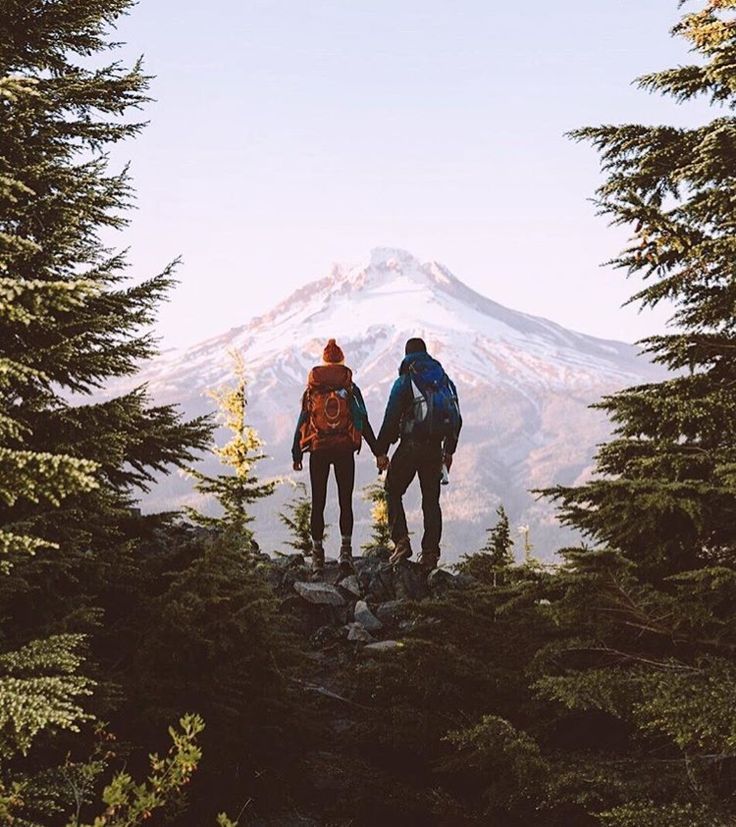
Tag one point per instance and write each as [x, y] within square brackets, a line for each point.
[343, 462]
[409, 460]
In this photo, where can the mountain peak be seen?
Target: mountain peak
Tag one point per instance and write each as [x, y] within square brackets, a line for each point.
[392, 258]
[387, 265]
[392, 294]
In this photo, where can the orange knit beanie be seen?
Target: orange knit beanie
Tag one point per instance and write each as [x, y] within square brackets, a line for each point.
[333, 354]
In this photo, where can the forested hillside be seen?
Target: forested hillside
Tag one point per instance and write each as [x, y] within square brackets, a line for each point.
[162, 669]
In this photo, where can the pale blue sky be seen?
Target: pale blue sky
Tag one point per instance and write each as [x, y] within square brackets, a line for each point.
[287, 135]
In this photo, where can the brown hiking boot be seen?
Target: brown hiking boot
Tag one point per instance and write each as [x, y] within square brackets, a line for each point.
[429, 559]
[402, 550]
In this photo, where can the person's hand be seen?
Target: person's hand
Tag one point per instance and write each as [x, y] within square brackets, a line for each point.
[297, 465]
[447, 459]
[383, 463]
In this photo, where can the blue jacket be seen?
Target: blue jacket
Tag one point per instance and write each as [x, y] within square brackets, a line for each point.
[360, 420]
[400, 401]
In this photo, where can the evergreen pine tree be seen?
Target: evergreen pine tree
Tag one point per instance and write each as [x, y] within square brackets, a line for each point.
[496, 556]
[669, 472]
[235, 491]
[297, 518]
[68, 324]
[380, 529]
[27, 475]
[649, 610]
[499, 543]
[75, 324]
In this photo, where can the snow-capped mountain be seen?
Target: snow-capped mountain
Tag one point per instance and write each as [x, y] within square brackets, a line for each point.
[524, 385]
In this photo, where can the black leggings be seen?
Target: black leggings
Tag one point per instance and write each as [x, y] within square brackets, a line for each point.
[319, 472]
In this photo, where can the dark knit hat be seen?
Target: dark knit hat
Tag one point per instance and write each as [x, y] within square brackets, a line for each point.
[415, 345]
[333, 354]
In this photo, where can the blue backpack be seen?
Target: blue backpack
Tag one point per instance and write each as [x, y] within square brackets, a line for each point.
[435, 411]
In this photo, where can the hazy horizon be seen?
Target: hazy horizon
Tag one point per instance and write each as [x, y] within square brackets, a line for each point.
[285, 138]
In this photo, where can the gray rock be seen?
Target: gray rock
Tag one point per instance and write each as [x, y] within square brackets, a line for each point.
[465, 580]
[365, 616]
[350, 584]
[339, 615]
[391, 611]
[441, 581]
[378, 553]
[382, 646]
[288, 561]
[274, 576]
[321, 593]
[326, 635]
[358, 632]
[410, 581]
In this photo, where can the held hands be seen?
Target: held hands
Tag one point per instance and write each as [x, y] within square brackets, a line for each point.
[297, 465]
[382, 463]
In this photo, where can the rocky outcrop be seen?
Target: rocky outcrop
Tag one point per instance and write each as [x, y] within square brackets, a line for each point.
[368, 608]
[348, 624]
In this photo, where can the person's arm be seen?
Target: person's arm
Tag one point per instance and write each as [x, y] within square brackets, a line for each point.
[390, 429]
[367, 430]
[450, 445]
[296, 449]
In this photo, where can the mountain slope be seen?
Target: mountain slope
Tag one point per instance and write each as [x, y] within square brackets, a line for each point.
[524, 383]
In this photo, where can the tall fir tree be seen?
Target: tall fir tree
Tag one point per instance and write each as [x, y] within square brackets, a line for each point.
[85, 325]
[649, 610]
[68, 324]
[669, 473]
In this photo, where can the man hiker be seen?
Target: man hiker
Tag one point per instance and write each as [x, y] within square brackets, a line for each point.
[332, 422]
[424, 414]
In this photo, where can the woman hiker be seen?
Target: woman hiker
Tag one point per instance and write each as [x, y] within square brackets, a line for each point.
[332, 422]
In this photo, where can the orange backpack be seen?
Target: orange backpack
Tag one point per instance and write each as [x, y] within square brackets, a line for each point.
[328, 402]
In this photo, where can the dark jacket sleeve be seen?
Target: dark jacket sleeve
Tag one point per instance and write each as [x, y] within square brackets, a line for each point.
[367, 430]
[397, 405]
[451, 441]
[296, 451]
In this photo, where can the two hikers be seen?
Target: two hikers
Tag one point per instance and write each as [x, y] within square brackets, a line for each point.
[422, 414]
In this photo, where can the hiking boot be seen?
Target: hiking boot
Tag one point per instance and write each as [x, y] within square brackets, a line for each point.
[345, 561]
[429, 559]
[345, 564]
[402, 550]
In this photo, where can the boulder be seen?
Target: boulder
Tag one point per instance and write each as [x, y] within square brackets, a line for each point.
[351, 584]
[377, 554]
[320, 593]
[440, 581]
[391, 612]
[326, 635]
[366, 618]
[288, 561]
[381, 647]
[358, 632]
[410, 581]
